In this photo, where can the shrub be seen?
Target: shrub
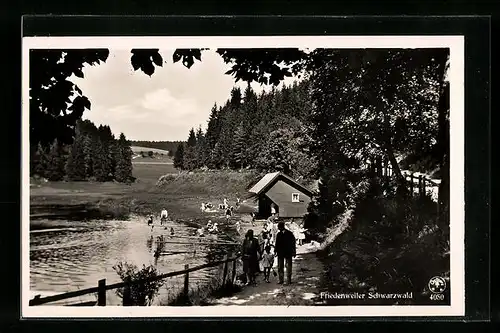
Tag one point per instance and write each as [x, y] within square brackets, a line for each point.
[141, 294]
[393, 243]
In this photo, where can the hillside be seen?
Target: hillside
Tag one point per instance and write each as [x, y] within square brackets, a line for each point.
[138, 149]
[162, 145]
[215, 183]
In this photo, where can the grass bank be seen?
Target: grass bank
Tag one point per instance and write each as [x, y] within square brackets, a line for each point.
[156, 188]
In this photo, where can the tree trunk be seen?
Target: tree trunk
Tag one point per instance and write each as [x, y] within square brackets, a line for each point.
[394, 164]
[387, 139]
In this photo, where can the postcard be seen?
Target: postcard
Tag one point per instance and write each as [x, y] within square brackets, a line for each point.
[270, 176]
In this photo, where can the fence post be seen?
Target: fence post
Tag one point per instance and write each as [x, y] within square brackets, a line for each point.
[233, 272]
[186, 281]
[438, 208]
[420, 185]
[127, 297]
[224, 274]
[101, 294]
[411, 184]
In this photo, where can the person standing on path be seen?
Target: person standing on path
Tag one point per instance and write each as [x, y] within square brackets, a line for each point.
[285, 251]
[273, 211]
[301, 235]
[250, 255]
[267, 262]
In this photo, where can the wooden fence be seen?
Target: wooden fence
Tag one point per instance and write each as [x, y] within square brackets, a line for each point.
[417, 183]
[102, 287]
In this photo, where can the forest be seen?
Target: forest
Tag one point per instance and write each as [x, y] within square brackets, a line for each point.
[265, 132]
[95, 154]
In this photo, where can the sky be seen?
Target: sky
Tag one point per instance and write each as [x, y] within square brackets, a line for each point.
[163, 107]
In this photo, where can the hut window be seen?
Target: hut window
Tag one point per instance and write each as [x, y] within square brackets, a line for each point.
[295, 197]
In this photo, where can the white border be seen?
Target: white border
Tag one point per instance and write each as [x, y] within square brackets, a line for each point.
[457, 202]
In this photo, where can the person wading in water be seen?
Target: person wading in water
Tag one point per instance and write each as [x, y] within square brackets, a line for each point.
[250, 255]
[150, 221]
[285, 251]
[163, 216]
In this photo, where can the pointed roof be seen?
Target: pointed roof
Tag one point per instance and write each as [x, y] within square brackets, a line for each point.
[269, 179]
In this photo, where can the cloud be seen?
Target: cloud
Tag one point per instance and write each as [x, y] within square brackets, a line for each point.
[161, 107]
[161, 100]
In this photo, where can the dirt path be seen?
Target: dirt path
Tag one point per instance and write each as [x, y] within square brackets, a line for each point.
[307, 270]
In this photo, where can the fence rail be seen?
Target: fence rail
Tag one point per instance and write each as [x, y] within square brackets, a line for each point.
[102, 287]
[415, 181]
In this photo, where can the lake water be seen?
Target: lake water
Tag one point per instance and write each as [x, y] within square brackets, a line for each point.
[79, 254]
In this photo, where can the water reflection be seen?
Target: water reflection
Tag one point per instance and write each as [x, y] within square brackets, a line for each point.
[77, 256]
[149, 244]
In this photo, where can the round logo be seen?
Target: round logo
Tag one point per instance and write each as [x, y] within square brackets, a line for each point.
[437, 285]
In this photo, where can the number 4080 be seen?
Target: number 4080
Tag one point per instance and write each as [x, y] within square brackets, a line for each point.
[437, 297]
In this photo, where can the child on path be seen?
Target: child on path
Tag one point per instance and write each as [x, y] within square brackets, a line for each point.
[301, 235]
[267, 262]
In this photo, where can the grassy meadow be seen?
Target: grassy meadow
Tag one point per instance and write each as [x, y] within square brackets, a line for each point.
[180, 193]
[138, 150]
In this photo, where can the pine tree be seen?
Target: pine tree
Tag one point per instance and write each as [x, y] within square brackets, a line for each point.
[191, 142]
[257, 145]
[235, 102]
[40, 161]
[107, 141]
[217, 156]
[222, 153]
[249, 109]
[276, 155]
[201, 149]
[87, 150]
[99, 160]
[75, 165]
[124, 163]
[55, 163]
[179, 157]
[239, 148]
[189, 161]
[213, 128]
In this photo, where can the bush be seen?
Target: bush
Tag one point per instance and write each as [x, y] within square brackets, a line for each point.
[392, 244]
[141, 294]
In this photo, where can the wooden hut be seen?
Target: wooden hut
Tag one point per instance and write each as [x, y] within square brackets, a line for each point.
[289, 198]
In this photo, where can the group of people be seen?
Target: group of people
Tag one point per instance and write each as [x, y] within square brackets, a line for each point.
[210, 227]
[299, 232]
[207, 207]
[228, 209]
[284, 245]
[163, 218]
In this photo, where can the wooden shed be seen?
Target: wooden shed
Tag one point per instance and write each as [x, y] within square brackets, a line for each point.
[290, 198]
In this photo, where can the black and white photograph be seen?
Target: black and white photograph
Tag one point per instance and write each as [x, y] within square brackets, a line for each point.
[243, 176]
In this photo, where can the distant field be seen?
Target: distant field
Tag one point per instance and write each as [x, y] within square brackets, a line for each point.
[138, 159]
[151, 172]
[180, 194]
[137, 149]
